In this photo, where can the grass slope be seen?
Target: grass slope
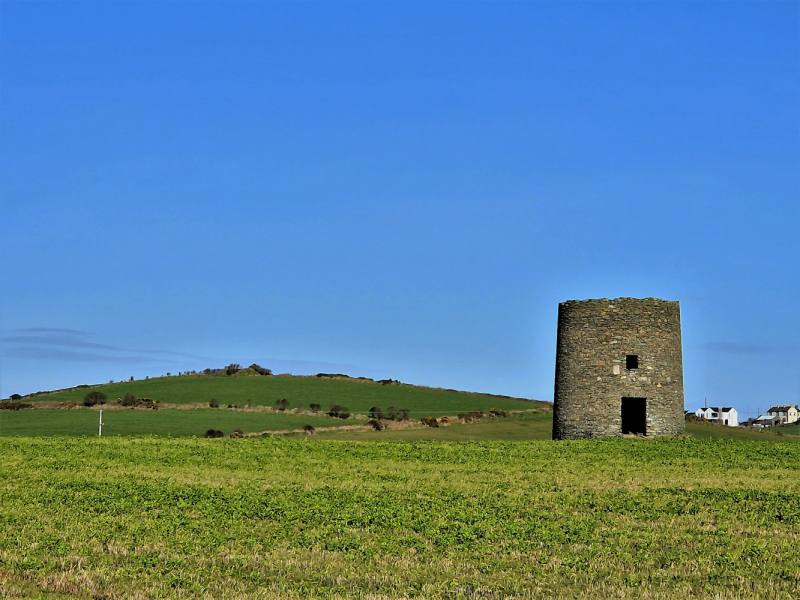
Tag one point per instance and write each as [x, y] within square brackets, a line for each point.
[359, 397]
[266, 518]
[160, 422]
[176, 423]
[789, 429]
[525, 427]
[707, 430]
[516, 428]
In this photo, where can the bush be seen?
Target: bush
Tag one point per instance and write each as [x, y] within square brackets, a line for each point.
[394, 414]
[498, 413]
[314, 407]
[129, 400]
[15, 397]
[232, 369]
[260, 370]
[339, 412]
[213, 403]
[94, 398]
[11, 405]
[214, 433]
[309, 429]
[444, 420]
[282, 404]
[375, 413]
[237, 433]
[376, 425]
[430, 421]
[469, 417]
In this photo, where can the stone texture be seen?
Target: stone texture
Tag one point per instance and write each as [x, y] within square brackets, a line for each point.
[594, 337]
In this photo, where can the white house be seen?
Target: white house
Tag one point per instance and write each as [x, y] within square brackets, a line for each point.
[704, 413]
[726, 415]
[785, 413]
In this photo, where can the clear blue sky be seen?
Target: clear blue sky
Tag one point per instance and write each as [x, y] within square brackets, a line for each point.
[401, 190]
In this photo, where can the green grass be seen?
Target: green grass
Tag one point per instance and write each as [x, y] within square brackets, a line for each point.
[44, 422]
[176, 423]
[789, 429]
[516, 428]
[9, 588]
[704, 430]
[523, 427]
[274, 518]
[299, 391]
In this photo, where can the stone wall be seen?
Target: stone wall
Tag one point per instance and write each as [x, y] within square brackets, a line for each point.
[594, 337]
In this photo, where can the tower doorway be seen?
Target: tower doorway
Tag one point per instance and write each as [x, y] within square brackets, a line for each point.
[634, 415]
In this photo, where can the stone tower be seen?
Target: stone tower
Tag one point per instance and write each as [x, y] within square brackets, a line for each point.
[619, 368]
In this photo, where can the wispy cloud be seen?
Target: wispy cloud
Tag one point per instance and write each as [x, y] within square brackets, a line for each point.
[70, 345]
[737, 348]
[52, 330]
[56, 340]
[48, 343]
[73, 356]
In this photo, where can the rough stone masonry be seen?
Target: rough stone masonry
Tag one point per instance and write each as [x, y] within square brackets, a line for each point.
[619, 369]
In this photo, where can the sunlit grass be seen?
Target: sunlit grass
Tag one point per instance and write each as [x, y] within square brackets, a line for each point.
[273, 518]
[359, 397]
[83, 422]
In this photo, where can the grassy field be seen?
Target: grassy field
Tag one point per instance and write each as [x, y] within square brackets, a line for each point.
[703, 430]
[522, 427]
[517, 427]
[159, 422]
[280, 518]
[359, 397]
[789, 429]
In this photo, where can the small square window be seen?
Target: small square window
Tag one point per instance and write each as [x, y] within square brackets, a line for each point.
[631, 361]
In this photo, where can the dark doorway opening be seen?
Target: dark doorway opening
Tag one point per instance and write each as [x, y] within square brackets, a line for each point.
[634, 415]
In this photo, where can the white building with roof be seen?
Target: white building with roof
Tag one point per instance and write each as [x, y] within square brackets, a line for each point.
[726, 415]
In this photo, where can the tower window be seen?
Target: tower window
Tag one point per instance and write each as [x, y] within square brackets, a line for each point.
[631, 361]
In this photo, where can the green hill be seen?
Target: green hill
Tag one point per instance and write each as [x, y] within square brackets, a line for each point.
[246, 387]
[192, 393]
[359, 395]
